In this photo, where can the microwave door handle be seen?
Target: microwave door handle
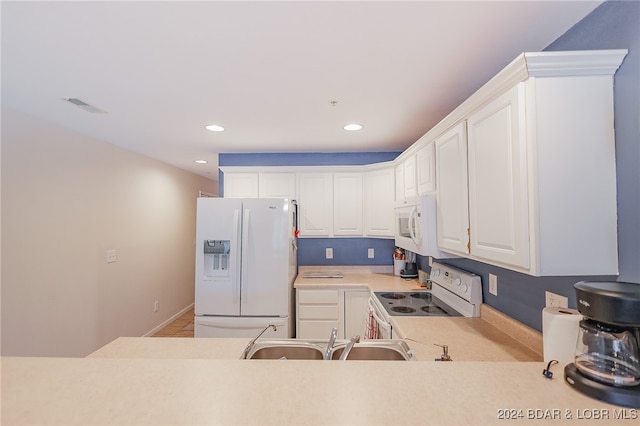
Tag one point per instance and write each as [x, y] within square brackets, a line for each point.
[412, 225]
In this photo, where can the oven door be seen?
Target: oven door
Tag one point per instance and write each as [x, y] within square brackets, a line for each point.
[378, 325]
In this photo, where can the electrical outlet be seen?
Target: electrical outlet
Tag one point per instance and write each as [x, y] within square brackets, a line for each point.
[430, 261]
[493, 284]
[329, 253]
[553, 300]
[156, 306]
[111, 256]
[370, 253]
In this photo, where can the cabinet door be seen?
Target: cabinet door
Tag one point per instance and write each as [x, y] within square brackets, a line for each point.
[426, 169]
[410, 187]
[498, 212]
[347, 204]
[241, 185]
[277, 185]
[452, 202]
[399, 183]
[378, 203]
[355, 312]
[315, 204]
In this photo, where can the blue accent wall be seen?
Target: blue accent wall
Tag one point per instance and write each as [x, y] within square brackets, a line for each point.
[346, 251]
[613, 25]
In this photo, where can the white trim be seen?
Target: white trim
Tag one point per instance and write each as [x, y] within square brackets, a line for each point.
[579, 62]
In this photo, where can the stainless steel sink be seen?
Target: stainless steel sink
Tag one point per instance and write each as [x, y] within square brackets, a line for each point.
[368, 350]
[285, 349]
[375, 352]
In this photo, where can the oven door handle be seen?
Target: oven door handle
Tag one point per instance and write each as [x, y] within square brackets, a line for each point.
[381, 322]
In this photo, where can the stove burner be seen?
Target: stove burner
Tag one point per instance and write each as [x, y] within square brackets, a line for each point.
[433, 309]
[423, 295]
[394, 296]
[403, 309]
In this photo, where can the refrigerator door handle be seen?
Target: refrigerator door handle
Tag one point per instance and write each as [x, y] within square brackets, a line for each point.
[245, 256]
[236, 270]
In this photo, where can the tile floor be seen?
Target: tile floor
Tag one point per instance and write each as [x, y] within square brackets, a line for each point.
[180, 327]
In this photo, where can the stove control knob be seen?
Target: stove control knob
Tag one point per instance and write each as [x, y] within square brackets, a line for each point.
[464, 288]
[457, 281]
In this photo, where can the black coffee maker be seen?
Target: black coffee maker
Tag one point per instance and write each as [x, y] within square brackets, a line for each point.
[607, 358]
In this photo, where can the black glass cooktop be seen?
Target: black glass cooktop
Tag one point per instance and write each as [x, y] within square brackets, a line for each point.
[413, 303]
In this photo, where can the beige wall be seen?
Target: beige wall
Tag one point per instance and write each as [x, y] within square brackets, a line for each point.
[66, 200]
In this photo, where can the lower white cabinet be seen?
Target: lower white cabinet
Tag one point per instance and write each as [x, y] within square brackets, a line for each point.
[318, 311]
[356, 308]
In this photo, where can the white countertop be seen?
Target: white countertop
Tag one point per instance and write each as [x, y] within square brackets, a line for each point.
[469, 339]
[169, 391]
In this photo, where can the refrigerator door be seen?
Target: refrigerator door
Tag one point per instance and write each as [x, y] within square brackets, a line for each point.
[267, 239]
[218, 255]
[239, 327]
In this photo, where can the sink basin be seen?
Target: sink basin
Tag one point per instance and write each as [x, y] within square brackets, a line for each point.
[371, 350]
[285, 349]
[376, 350]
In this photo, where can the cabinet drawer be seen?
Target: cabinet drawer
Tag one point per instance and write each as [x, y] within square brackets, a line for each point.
[322, 312]
[318, 296]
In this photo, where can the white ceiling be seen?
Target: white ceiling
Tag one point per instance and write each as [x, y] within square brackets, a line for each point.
[264, 70]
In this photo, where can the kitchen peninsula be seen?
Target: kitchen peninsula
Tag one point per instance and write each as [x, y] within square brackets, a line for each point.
[170, 381]
[190, 391]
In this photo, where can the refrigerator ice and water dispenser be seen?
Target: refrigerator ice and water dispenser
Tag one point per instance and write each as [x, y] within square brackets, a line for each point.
[216, 258]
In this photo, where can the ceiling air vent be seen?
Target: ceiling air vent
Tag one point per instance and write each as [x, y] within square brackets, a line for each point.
[85, 106]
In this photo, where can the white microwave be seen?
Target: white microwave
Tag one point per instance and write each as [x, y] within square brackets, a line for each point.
[415, 226]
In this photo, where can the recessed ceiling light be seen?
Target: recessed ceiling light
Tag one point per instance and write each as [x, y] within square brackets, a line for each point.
[201, 161]
[215, 128]
[353, 127]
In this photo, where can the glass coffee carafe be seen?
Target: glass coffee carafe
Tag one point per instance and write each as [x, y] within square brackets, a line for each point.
[608, 354]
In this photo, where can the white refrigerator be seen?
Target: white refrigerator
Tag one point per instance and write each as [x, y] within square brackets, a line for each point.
[246, 263]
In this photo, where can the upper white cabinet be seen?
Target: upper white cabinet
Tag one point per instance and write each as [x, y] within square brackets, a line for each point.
[426, 168]
[540, 151]
[315, 204]
[498, 202]
[378, 202]
[410, 184]
[347, 204]
[277, 185]
[406, 179]
[240, 185]
[452, 219]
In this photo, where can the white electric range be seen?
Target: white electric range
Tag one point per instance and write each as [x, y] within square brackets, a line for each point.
[453, 293]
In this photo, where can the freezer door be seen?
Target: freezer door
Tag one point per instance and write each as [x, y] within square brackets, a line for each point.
[218, 255]
[239, 327]
[266, 249]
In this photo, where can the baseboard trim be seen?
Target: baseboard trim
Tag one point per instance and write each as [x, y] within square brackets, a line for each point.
[167, 322]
